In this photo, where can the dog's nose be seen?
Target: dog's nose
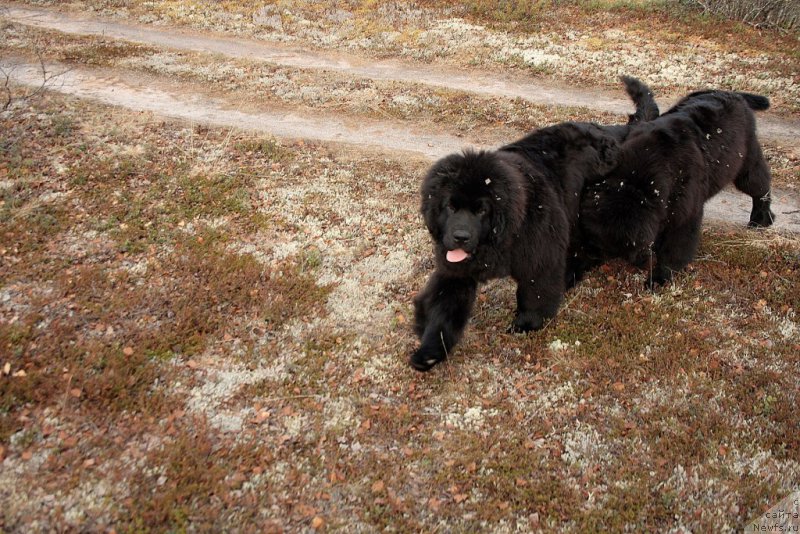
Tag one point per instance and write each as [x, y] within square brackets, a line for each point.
[461, 236]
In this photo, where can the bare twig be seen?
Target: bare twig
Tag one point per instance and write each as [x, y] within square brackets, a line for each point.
[6, 86]
[14, 98]
[780, 15]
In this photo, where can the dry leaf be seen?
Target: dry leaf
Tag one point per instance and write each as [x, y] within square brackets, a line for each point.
[460, 497]
[317, 522]
[262, 416]
[618, 386]
[20, 374]
[75, 392]
[378, 486]
[27, 455]
[305, 510]
[629, 425]
[6, 368]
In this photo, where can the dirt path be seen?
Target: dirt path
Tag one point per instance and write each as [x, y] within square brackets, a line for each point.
[475, 81]
[142, 93]
[193, 102]
[209, 328]
[179, 101]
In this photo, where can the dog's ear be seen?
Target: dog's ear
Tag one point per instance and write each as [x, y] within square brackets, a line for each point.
[510, 198]
[499, 222]
[433, 190]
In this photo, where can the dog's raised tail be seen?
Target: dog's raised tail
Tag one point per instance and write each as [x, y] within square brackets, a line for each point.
[642, 96]
[756, 102]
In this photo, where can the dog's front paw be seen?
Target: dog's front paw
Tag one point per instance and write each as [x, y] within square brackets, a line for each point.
[425, 357]
[658, 278]
[761, 218]
[527, 322]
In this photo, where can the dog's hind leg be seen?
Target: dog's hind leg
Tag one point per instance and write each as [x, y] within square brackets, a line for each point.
[754, 179]
[675, 249]
[441, 314]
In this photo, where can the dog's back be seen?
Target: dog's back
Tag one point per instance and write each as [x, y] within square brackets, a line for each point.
[717, 126]
[667, 169]
[753, 101]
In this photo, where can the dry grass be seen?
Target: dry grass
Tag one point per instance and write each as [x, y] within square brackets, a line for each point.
[603, 40]
[257, 85]
[186, 357]
[208, 330]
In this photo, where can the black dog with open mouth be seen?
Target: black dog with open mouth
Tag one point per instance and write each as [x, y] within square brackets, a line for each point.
[510, 212]
[503, 213]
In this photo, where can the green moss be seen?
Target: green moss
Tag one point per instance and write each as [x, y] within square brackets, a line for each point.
[267, 148]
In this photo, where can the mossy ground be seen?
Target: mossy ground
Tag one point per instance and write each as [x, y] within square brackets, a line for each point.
[204, 329]
[174, 335]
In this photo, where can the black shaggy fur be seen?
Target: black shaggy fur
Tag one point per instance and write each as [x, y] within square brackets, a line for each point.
[514, 211]
[649, 208]
[511, 210]
[642, 97]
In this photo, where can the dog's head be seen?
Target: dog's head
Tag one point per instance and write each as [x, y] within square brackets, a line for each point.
[472, 200]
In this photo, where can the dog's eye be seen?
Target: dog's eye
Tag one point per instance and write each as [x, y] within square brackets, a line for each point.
[482, 211]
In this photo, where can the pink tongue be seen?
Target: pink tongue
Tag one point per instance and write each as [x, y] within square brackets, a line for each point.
[457, 255]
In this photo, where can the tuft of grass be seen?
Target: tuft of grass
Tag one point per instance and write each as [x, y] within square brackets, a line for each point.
[188, 480]
[638, 6]
[173, 311]
[526, 15]
[266, 148]
[102, 52]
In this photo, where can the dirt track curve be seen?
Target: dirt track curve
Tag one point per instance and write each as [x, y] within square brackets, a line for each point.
[179, 100]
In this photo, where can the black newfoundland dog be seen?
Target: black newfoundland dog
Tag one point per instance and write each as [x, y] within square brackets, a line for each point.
[649, 208]
[509, 212]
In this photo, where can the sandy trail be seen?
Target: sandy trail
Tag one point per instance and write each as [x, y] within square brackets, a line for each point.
[173, 100]
[142, 93]
[474, 81]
